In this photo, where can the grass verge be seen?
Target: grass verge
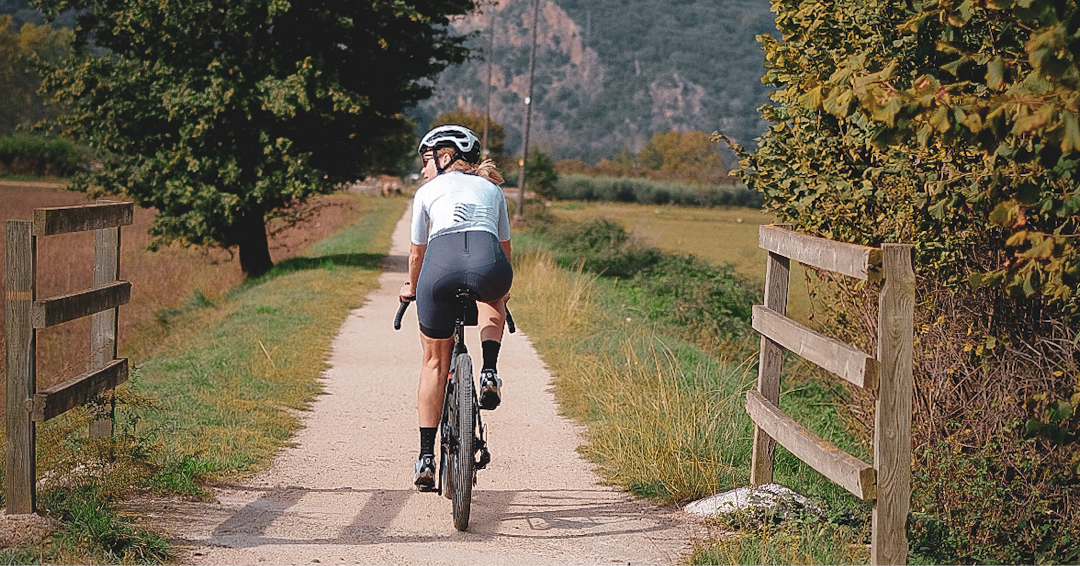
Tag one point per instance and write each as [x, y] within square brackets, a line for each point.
[218, 396]
[230, 382]
[665, 416]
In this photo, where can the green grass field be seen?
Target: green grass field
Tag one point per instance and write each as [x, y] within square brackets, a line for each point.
[719, 235]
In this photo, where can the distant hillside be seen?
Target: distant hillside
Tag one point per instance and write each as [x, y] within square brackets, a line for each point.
[610, 74]
[21, 12]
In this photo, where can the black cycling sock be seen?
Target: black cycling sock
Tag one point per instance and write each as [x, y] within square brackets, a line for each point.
[427, 440]
[491, 354]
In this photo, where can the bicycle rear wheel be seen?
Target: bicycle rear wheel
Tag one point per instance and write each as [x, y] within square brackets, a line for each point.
[463, 462]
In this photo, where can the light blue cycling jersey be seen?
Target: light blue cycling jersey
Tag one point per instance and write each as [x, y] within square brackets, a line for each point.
[458, 202]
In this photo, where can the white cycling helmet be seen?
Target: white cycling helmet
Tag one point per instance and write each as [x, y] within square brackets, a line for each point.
[462, 139]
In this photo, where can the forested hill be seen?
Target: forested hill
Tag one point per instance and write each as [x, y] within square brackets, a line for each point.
[21, 12]
[611, 73]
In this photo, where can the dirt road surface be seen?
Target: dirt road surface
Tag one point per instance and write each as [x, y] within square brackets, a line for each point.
[343, 493]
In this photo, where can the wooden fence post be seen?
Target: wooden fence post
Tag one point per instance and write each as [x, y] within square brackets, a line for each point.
[769, 364]
[892, 420]
[20, 467]
[103, 325]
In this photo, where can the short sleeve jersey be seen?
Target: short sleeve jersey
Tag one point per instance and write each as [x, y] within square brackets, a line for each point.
[458, 202]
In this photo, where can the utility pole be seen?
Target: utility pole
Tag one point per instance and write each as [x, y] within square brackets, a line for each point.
[487, 98]
[519, 216]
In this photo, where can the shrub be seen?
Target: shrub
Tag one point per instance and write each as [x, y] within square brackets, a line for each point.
[709, 304]
[953, 129]
[32, 155]
[646, 191]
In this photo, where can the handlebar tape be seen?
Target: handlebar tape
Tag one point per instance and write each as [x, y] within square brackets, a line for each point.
[400, 313]
[404, 306]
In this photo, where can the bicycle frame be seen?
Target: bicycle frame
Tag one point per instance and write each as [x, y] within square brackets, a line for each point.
[451, 444]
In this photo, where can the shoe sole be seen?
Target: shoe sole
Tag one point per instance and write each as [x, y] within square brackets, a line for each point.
[489, 401]
[425, 483]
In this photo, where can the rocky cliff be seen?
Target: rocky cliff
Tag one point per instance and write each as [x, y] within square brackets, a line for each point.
[611, 74]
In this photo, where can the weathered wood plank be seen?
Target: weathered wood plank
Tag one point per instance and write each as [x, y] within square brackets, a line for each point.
[845, 470]
[64, 219]
[19, 466]
[892, 417]
[64, 308]
[857, 261]
[103, 325]
[777, 275]
[74, 392]
[851, 364]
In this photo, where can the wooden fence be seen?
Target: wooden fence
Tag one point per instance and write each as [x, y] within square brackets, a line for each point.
[888, 480]
[26, 314]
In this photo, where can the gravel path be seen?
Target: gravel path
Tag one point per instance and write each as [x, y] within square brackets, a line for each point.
[343, 493]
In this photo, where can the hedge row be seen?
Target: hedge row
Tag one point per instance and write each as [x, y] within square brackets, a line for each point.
[22, 154]
[647, 191]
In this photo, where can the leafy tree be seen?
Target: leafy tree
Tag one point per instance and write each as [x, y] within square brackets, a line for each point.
[223, 114]
[22, 52]
[540, 175]
[692, 156]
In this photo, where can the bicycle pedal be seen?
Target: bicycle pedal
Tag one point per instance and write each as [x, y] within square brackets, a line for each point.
[485, 458]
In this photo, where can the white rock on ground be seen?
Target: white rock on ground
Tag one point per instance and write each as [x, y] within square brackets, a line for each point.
[768, 496]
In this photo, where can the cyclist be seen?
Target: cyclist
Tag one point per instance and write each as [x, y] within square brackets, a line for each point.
[460, 238]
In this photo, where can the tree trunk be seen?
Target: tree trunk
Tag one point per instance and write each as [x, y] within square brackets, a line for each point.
[254, 248]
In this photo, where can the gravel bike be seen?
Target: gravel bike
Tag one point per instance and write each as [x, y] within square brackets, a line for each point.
[462, 434]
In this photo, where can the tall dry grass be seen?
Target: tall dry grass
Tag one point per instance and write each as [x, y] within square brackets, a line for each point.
[664, 419]
[159, 280]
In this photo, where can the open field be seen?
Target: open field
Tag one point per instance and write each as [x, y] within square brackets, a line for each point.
[720, 235]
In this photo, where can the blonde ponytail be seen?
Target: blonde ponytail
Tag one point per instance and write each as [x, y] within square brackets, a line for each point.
[487, 169]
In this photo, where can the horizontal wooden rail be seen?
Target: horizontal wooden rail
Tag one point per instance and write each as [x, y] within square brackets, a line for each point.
[849, 363]
[64, 308]
[65, 219]
[60, 398]
[845, 470]
[857, 261]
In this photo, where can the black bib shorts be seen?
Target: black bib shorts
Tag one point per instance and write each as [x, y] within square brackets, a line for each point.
[474, 260]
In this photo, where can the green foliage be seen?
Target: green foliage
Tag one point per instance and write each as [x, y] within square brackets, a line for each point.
[22, 53]
[645, 191]
[947, 125]
[183, 475]
[90, 525]
[978, 506]
[22, 154]
[690, 156]
[788, 534]
[706, 303]
[222, 114]
[540, 175]
[891, 120]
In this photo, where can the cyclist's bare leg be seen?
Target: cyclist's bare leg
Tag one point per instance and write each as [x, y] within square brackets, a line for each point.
[491, 317]
[432, 386]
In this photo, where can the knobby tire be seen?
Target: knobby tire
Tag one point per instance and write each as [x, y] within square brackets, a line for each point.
[463, 462]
